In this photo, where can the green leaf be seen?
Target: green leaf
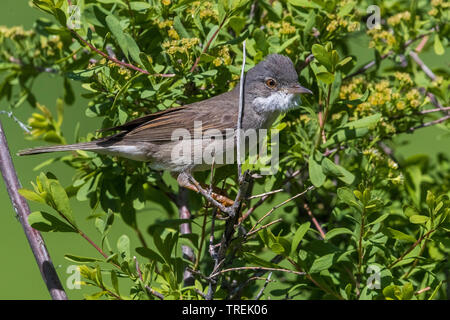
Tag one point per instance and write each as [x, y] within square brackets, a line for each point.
[150, 254]
[332, 169]
[435, 291]
[346, 134]
[80, 259]
[117, 31]
[315, 172]
[298, 237]
[31, 195]
[304, 3]
[407, 291]
[379, 219]
[325, 77]
[61, 200]
[115, 281]
[123, 245]
[250, 257]
[277, 248]
[400, 235]
[322, 263]
[133, 49]
[418, 219]
[287, 43]
[365, 122]
[178, 26]
[322, 56]
[346, 9]
[337, 231]
[347, 196]
[410, 211]
[237, 24]
[438, 47]
[46, 222]
[343, 62]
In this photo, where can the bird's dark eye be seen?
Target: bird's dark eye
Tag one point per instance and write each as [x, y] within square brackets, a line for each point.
[271, 83]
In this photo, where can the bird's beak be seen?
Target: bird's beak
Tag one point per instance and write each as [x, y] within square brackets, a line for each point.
[298, 89]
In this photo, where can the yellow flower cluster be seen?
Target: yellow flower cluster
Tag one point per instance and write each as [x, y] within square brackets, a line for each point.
[204, 9]
[347, 90]
[287, 28]
[436, 83]
[171, 32]
[383, 36]
[373, 153]
[436, 4]
[283, 28]
[381, 95]
[166, 2]
[15, 32]
[165, 23]
[396, 19]
[336, 22]
[223, 57]
[403, 77]
[180, 46]
[413, 97]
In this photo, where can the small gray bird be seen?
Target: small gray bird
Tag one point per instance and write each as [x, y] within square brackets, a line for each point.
[271, 88]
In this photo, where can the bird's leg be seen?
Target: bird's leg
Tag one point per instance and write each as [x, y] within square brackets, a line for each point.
[187, 181]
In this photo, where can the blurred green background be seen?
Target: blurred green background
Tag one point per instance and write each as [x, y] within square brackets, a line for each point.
[19, 275]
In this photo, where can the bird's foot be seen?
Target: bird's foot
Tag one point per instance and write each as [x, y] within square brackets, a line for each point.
[187, 181]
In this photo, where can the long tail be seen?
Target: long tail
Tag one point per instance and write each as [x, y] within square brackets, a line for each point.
[77, 146]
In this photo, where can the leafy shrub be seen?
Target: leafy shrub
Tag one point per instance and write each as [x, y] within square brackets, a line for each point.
[355, 223]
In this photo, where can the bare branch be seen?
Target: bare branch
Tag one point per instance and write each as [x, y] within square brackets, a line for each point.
[22, 209]
[422, 65]
[150, 290]
[260, 293]
[431, 123]
[263, 227]
[257, 269]
[314, 220]
[280, 205]
[185, 228]
[209, 43]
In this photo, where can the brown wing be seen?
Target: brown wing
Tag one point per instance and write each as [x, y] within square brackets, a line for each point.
[219, 112]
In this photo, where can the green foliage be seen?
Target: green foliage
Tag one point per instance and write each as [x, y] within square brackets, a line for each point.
[386, 220]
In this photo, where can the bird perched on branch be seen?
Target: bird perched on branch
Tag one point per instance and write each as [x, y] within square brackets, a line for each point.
[270, 88]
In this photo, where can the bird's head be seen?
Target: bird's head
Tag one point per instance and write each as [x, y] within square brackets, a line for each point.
[272, 85]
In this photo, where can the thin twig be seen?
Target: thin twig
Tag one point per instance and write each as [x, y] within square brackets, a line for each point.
[260, 293]
[22, 210]
[150, 290]
[418, 241]
[185, 228]
[384, 56]
[434, 110]
[209, 43]
[265, 194]
[314, 220]
[280, 205]
[22, 125]
[422, 65]
[264, 197]
[257, 268]
[431, 123]
[422, 290]
[263, 227]
[113, 59]
[306, 62]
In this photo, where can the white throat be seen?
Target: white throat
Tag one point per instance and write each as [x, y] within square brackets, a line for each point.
[278, 101]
